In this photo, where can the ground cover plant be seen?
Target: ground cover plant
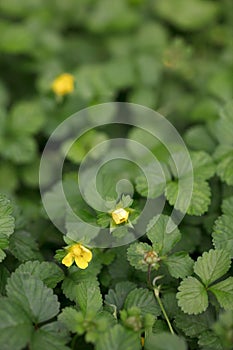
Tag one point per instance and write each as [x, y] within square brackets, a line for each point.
[162, 290]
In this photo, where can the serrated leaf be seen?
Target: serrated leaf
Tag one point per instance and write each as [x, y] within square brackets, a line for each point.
[227, 206]
[144, 300]
[89, 297]
[224, 157]
[6, 220]
[203, 165]
[193, 325]
[224, 293]
[116, 337]
[135, 255]
[15, 326]
[33, 296]
[50, 336]
[24, 247]
[162, 241]
[117, 297]
[72, 319]
[47, 272]
[7, 224]
[212, 265]
[201, 198]
[179, 264]
[209, 341]
[75, 276]
[223, 233]
[153, 183]
[224, 126]
[198, 138]
[192, 296]
[164, 341]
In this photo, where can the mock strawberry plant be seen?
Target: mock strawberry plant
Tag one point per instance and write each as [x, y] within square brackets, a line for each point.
[90, 273]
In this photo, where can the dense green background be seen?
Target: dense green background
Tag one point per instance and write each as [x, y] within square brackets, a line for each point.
[174, 56]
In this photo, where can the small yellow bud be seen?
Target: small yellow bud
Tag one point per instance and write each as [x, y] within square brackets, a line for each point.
[120, 215]
[63, 84]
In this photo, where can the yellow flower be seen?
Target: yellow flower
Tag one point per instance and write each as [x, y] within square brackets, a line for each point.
[63, 84]
[78, 253]
[120, 215]
[142, 341]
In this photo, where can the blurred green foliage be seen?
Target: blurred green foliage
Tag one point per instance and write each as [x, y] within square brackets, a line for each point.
[174, 56]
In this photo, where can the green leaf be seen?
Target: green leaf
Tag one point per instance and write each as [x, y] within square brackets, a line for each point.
[144, 300]
[136, 253]
[72, 319]
[162, 241]
[212, 265]
[116, 337]
[153, 184]
[164, 341]
[2, 255]
[50, 336]
[203, 165]
[227, 206]
[89, 297]
[75, 276]
[26, 118]
[47, 272]
[224, 293]
[33, 296]
[24, 247]
[223, 329]
[7, 225]
[117, 297]
[209, 341]
[192, 296]
[191, 15]
[224, 125]
[198, 138]
[200, 199]
[6, 220]
[193, 325]
[15, 326]
[170, 304]
[224, 157]
[19, 149]
[223, 233]
[179, 264]
[16, 38]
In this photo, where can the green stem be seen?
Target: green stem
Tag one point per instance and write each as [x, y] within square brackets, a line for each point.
[156, 293]
[74, 341]
[149, 276]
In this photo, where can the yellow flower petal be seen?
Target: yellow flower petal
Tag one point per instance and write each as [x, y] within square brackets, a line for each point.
[76, 249]
[87, 254]
[81, 262]
[68, 260]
